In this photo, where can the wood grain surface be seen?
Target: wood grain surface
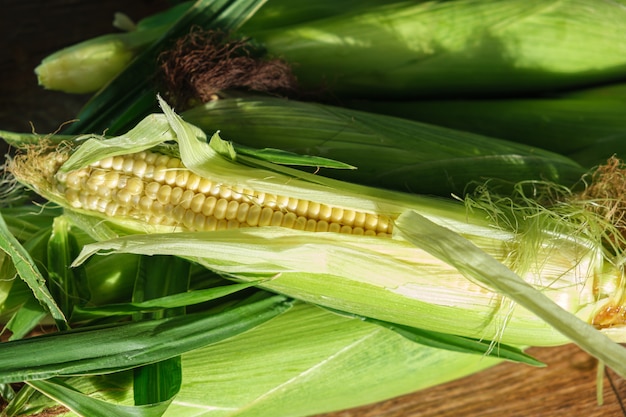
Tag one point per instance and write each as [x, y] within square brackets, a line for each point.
[566, 387]
[29, 30]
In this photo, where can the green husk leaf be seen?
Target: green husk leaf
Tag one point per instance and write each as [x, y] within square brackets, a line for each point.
[25, 319]
[67, 285]
[281, 13]
[589, 128]
[159, 276]
[21, 399]
[327, 362]
[164, 18]
[476, 264]
[28, 271]
[7, 393]
[26, 221]
[388, 152]
[157, 382]
[283, 157]
[384, 279]
[170, 301]
[151, 131]
[456, 343]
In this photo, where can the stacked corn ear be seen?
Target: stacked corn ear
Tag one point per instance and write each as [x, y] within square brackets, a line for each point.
[412, 49]
[387, 152]
[456, 48]
[587, 126]
[344, 246]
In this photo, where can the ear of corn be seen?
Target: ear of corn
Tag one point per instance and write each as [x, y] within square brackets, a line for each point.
[453, 48]
[388, 152]
[87, 66]
[385, 278]
[588, 127]
[456, 48]
[354, 347]
[132, 91]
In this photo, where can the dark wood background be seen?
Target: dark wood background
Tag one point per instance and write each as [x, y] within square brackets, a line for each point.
[29, 30]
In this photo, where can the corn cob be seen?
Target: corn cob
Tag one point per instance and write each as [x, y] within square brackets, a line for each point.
[159, 190]
[389, 279]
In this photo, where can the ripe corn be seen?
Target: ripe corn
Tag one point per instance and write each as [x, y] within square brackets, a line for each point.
[391, 279]
[158, 189]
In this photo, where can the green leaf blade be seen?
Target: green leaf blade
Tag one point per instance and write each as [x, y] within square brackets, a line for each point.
[476, 264]
[112, 348]
[86, 406]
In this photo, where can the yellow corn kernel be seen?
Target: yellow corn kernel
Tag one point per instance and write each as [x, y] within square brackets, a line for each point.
[159, 190]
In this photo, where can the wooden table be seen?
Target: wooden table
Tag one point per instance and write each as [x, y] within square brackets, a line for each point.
[567, 387]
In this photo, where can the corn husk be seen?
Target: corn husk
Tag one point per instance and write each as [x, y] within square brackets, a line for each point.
[456, 48]
[586, 125]
[387, 152]
[304, 362]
